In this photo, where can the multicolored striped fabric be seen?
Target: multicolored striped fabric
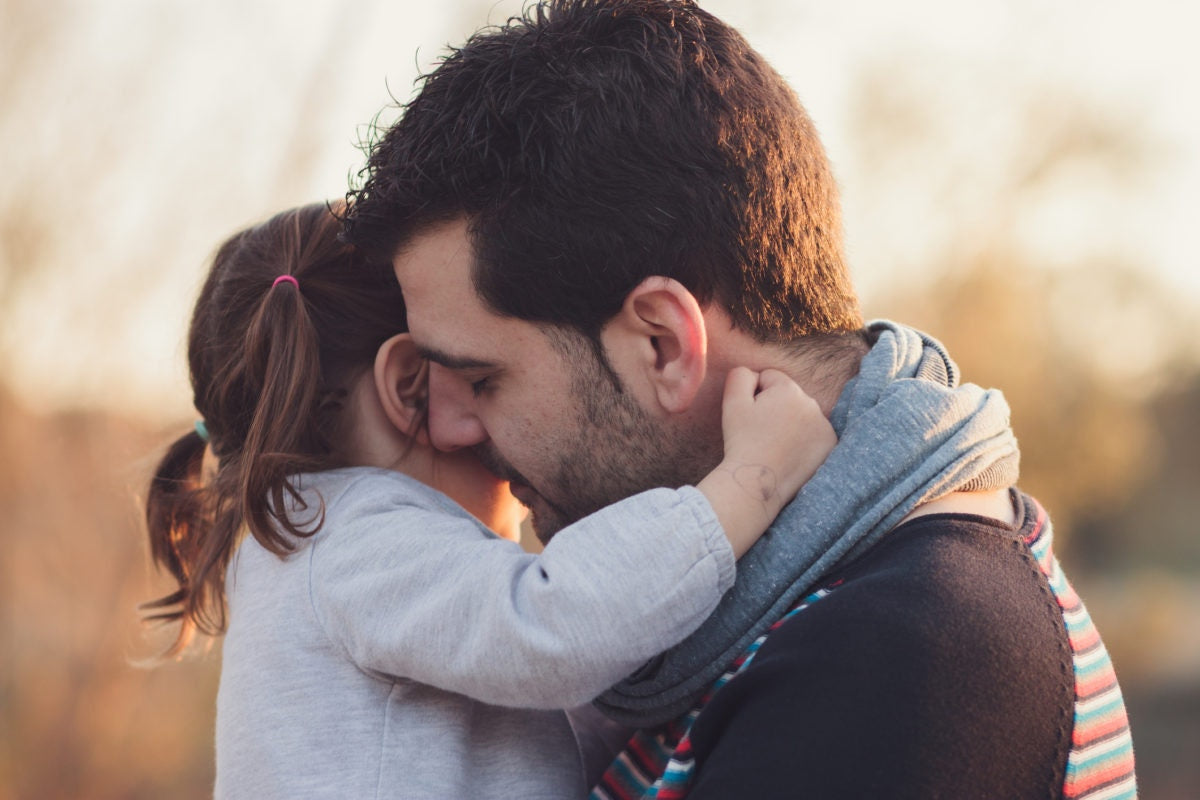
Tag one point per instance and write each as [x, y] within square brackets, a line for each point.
[659, 764]
[1100, 765]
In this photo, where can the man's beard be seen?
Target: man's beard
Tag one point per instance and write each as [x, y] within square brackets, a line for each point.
[616, 450]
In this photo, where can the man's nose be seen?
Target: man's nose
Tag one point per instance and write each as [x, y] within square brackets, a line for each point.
[452, 420]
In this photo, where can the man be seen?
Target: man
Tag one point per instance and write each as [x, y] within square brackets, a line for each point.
[598, 210]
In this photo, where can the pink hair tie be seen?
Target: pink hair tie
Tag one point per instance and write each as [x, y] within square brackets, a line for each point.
[286, 279]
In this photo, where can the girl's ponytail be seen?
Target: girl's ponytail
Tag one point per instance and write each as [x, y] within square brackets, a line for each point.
[289, 317]
[194, 524]
[177, 520]
[283, 359]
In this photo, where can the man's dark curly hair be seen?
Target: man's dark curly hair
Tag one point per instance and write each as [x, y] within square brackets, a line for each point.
[593, 143]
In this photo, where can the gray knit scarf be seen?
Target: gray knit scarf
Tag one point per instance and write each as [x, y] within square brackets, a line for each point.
[907, 433]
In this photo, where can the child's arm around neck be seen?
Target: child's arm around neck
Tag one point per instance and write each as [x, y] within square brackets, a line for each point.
[775, 439]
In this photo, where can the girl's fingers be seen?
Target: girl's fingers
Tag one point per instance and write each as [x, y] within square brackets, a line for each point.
[740, 385]
[771, 377]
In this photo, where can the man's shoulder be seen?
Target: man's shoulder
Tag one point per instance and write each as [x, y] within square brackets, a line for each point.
[940, 658]
[939, 586]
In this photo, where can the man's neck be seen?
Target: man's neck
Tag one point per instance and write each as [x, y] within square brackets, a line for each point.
[821, 371]
[997, 505]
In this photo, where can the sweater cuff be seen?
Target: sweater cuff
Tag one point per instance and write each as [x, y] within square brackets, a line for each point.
[715, 539]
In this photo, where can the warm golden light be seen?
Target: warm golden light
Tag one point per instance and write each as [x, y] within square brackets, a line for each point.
[1021, 179]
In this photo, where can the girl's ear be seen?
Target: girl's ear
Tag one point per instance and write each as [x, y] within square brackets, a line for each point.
[402, 383]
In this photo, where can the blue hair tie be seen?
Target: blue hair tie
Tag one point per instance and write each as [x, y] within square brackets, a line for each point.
[202, 430]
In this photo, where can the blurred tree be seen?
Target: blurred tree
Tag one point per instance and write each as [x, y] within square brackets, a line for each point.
[1077, 339]
[27, 42]
[1025, 270]
[78, 719]
[136, 136]
[1086, 439]
[1159, 527]
[1074, 334]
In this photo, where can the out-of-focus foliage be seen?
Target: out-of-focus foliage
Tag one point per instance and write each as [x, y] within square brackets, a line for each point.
[1098, 362]
[1077, 340]
[25, 222]
[1086, 438]
[1164, 497]
[79, 720]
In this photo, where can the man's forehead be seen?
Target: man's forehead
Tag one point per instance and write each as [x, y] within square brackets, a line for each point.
[434, 273]
[435, 253]
[448, 321]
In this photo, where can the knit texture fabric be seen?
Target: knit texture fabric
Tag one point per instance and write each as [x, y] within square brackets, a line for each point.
[658, 764]
[1092, 760]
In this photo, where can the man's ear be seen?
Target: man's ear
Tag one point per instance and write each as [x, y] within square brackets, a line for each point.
[402, 384]
[660, 329]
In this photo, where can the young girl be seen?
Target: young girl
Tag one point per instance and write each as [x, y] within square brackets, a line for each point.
[382, 642]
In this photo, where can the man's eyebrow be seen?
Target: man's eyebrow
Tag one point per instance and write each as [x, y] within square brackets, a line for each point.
[453, 362]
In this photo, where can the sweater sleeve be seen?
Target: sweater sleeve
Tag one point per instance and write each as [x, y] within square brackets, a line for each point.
[422, 594]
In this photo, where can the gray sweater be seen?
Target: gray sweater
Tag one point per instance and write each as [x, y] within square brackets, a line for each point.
[406, 651]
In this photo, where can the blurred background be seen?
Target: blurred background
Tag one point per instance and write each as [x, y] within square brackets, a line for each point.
[1020, 178]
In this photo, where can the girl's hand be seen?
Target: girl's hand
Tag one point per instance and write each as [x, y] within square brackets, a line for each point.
[775, 439]
[775, 434]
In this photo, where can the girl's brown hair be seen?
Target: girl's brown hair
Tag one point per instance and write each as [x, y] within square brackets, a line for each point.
[271, 363]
